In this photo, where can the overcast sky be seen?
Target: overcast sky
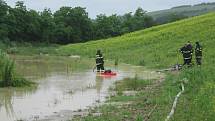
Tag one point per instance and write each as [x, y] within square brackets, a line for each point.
[95, 7]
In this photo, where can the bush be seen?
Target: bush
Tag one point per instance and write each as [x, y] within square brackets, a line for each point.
[7, 72]
[8, 77]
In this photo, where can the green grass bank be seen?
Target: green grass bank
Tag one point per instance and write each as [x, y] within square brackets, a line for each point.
[157, 47]
[153, 47]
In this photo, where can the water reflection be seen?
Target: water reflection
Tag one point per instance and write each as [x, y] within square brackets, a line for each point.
[99, 81]
[7, 96]
[64, 85]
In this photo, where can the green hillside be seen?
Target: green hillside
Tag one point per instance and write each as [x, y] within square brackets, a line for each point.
[164, 16]
[157, 47]
[154, 47]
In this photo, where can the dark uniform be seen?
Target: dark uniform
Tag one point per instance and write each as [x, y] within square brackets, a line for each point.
[187, 54]
[190, 47]
[99, 61]
[198, 53]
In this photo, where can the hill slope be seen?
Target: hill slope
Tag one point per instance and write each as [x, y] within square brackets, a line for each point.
[163, 16]
[154, 47]
[157, 47]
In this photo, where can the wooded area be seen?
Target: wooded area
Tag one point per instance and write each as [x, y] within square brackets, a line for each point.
[67, 25]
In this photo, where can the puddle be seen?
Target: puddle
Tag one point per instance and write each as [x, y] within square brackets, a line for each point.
[65, 85]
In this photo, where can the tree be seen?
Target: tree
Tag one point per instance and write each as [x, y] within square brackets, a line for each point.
[141, 20]
[127, 23]
[78, 22]
[17, 22]
[64, 34]
[3, 15]
[139, 13]
[107, 26]
[3, 9]
[171, 17]
[138, 20]
[24, 25]
[67, 25]
[47, 26]
[33, 29]
[20, 5]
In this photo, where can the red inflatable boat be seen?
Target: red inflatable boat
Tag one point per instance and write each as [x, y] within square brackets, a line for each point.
[108, 73]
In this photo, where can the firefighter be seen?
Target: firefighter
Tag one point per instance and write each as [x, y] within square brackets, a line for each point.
[190, 48]
[198, 53]
[186, 51]
[99, 61]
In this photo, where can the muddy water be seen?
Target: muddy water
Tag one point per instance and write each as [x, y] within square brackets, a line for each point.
[64, 85]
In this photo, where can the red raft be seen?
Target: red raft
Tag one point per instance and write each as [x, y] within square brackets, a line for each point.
[107, 73]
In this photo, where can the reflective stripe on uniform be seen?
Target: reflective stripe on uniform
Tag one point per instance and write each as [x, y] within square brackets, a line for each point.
[99, 64]
[99, 57]
[198, 56]
[187, 58]
[186, 51]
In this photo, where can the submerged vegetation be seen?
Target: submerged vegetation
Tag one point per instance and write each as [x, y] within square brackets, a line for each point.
[8, 77]
[131, 84]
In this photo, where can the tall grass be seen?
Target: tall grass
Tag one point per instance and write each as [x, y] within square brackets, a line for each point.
[8, 77]
[8, 72]
[131, 84]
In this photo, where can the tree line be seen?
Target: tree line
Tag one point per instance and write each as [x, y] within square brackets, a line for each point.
[66, 25]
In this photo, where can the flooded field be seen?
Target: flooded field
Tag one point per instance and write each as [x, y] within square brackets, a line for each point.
[65, 85]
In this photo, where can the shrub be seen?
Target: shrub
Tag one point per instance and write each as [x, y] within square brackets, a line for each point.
[8, 77]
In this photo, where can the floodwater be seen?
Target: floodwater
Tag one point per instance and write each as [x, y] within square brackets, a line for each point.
[64, 85]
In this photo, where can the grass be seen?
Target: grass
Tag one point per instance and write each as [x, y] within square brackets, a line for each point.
[130, 84]
[198, 99]
[124, 110]
[196, 103]
[157, 47]
[8, 77]
[16, 48]
[51, 63]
